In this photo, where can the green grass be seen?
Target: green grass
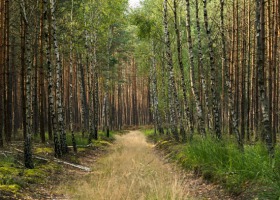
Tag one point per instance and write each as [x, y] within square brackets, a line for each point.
[221, 162]
[83, 141]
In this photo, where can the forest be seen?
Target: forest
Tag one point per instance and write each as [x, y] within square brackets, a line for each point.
[199, 79]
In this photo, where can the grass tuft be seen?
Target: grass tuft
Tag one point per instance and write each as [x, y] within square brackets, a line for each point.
[251, 171]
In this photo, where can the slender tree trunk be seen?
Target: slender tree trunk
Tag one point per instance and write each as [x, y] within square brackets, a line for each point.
[96, 90]
[260, 61]
[172, 94]
[215, 100]
[60, 114]
[42, 86]
[181, 66]
[28, 162]
[1, 72]
[199, 110]
[201, 63]
[71, 85]
[228, 81]
[82, 96]
[153, 78]
[275, 76]
[57, 147]
[22, 60]
[7, 77]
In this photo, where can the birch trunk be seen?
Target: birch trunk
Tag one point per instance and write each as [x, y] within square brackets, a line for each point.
[60, 114]
[192, 76]
[28, 162]
[57, 148]
[260, 61]
[201, 63]
[153, 78]
[82, 96]
[215, 101]
[181, 66]
[42, 77]
[228, 81]
[172, 94]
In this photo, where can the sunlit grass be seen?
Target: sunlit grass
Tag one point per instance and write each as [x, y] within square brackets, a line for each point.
[130, 171]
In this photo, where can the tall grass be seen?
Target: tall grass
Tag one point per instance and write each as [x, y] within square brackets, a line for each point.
[251, 171]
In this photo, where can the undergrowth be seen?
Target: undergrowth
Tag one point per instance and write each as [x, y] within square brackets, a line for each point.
[14, 177]
[251, 172]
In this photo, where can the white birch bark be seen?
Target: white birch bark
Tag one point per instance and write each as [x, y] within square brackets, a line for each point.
[172, 94]
[215, 101]
[192, 76]
[57, 149]
[60, 114]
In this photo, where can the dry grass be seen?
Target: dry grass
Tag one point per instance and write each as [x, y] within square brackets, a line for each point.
[132, 171]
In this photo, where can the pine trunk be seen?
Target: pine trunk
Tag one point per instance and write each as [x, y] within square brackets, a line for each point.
[71, 86]
[42, 77]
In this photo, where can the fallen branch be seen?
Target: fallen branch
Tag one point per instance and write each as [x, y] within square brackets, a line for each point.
[81, 146]
[87, 169]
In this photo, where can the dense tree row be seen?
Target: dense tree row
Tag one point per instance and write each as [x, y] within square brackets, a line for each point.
[219, 60]
[67, 66]
[189, 66]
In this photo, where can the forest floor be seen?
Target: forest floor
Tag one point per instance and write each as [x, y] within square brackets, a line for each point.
[134, 170]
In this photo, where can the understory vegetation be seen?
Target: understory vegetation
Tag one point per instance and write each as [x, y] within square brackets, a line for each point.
[16, 181]
[251, 173]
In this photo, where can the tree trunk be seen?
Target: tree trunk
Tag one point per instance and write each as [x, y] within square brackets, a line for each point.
[199, 110]
[172, 94]
[42, 87]
[71, 85]
[228, 81]
[260, 61]
[201, 63]
[215, 100]
[7, 78]
[60, 114]
[1, 72]
[181, 66]
[57, 147]
[154, 96]
[28, 162]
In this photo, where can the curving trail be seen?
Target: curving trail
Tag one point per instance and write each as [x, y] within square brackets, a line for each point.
[133, 171]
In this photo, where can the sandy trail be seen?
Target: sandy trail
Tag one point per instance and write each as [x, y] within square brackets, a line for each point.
[132, 171]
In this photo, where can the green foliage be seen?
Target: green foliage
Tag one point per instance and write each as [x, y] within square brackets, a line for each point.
[14, 176]
[252, 171]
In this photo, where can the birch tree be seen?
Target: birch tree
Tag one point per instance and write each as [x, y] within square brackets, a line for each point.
[28, 162]
[215, 100]
[199, 110]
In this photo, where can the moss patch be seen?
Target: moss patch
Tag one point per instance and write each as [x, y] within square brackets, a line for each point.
[43, 150]
[14, 188]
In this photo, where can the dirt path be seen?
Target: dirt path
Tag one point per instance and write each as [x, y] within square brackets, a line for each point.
[133, 171]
